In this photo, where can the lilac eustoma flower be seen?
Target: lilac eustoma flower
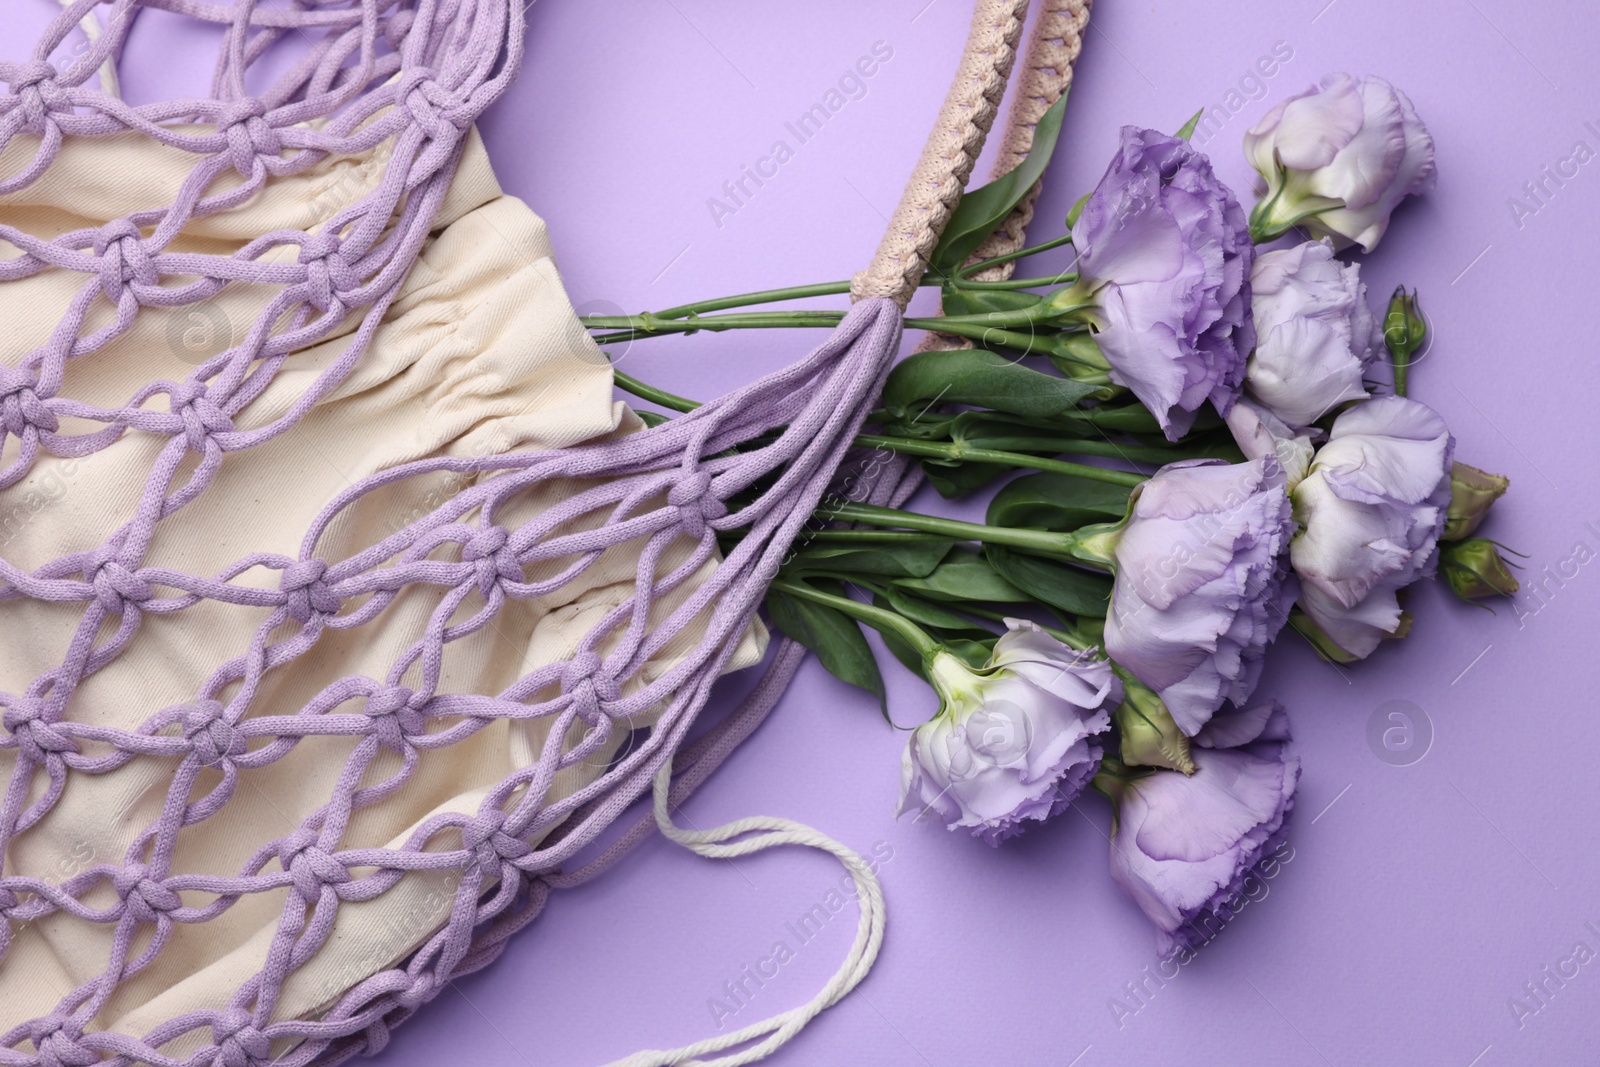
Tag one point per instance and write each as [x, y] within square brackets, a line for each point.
[1013, 741]
[1185, 845]
[1258, 432]
[1338, 158]
[1371, 510]
[1164, 251]
[1315, 333]
[1199, 590]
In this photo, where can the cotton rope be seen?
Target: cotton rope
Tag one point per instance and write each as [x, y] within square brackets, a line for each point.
[417, 76]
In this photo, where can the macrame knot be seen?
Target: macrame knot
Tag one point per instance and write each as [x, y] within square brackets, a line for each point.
[310, 866]
[393, 717]
[36, 736]
[329, 279]
[34, 84]
[115, 586]
[438, 112]
[485, 837]
[59, 1037]
[585, 675]
[212, 738]
[249, 135]
[145, 898]
[696, 507]
[124, 260]
[200, 414]
[20, 406]
[487, 549]
[307, 594]
[239, 1043]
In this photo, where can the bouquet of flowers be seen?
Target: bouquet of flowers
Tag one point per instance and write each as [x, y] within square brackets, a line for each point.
[1249, 467]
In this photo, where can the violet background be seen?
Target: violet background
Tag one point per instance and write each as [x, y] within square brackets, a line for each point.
[1420, 898]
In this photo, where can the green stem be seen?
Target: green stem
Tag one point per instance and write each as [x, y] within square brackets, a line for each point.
[1021, 253]
[957, 451]
[1064, 278]
[806, 292]
[984, 328]
[762, 296]
[1060, 545]
[875, 537]
[651, 325]
[645, 391]
[1078, 446]
[875, 617]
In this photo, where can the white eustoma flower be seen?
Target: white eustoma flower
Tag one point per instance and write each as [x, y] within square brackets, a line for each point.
[1258, 432]
[1337, 159]
[1014, 741]
[1315, 333]
[1370, 513]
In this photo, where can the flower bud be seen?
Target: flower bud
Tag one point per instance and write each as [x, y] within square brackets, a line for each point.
[1472, 492]
[1149, 736]
[1474, 569]
[1404, 329]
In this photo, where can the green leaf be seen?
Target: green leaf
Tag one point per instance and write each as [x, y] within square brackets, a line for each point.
[964, 575]
[1051, 501]
[928, 615]
[1071, 353]
[909, 657]
[1129, 418]
[958, 301]
[984, 208]
[910, 559]
[835, 638]
[1077, 209]
[957, 479]
[1072, 590]
[975, 653]
[1189, 127]
[982, 379]
[956, 632]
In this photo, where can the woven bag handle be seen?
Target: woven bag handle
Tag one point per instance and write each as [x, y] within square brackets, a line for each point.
[1054, 44]
[959, 133]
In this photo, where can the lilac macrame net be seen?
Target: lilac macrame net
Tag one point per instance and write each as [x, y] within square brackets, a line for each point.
[754, 463]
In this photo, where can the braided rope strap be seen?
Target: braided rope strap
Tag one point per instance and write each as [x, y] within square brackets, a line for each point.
[1054, 45]
[948, 156]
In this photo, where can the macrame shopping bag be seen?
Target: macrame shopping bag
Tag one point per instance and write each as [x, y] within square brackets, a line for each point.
[341, 606]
